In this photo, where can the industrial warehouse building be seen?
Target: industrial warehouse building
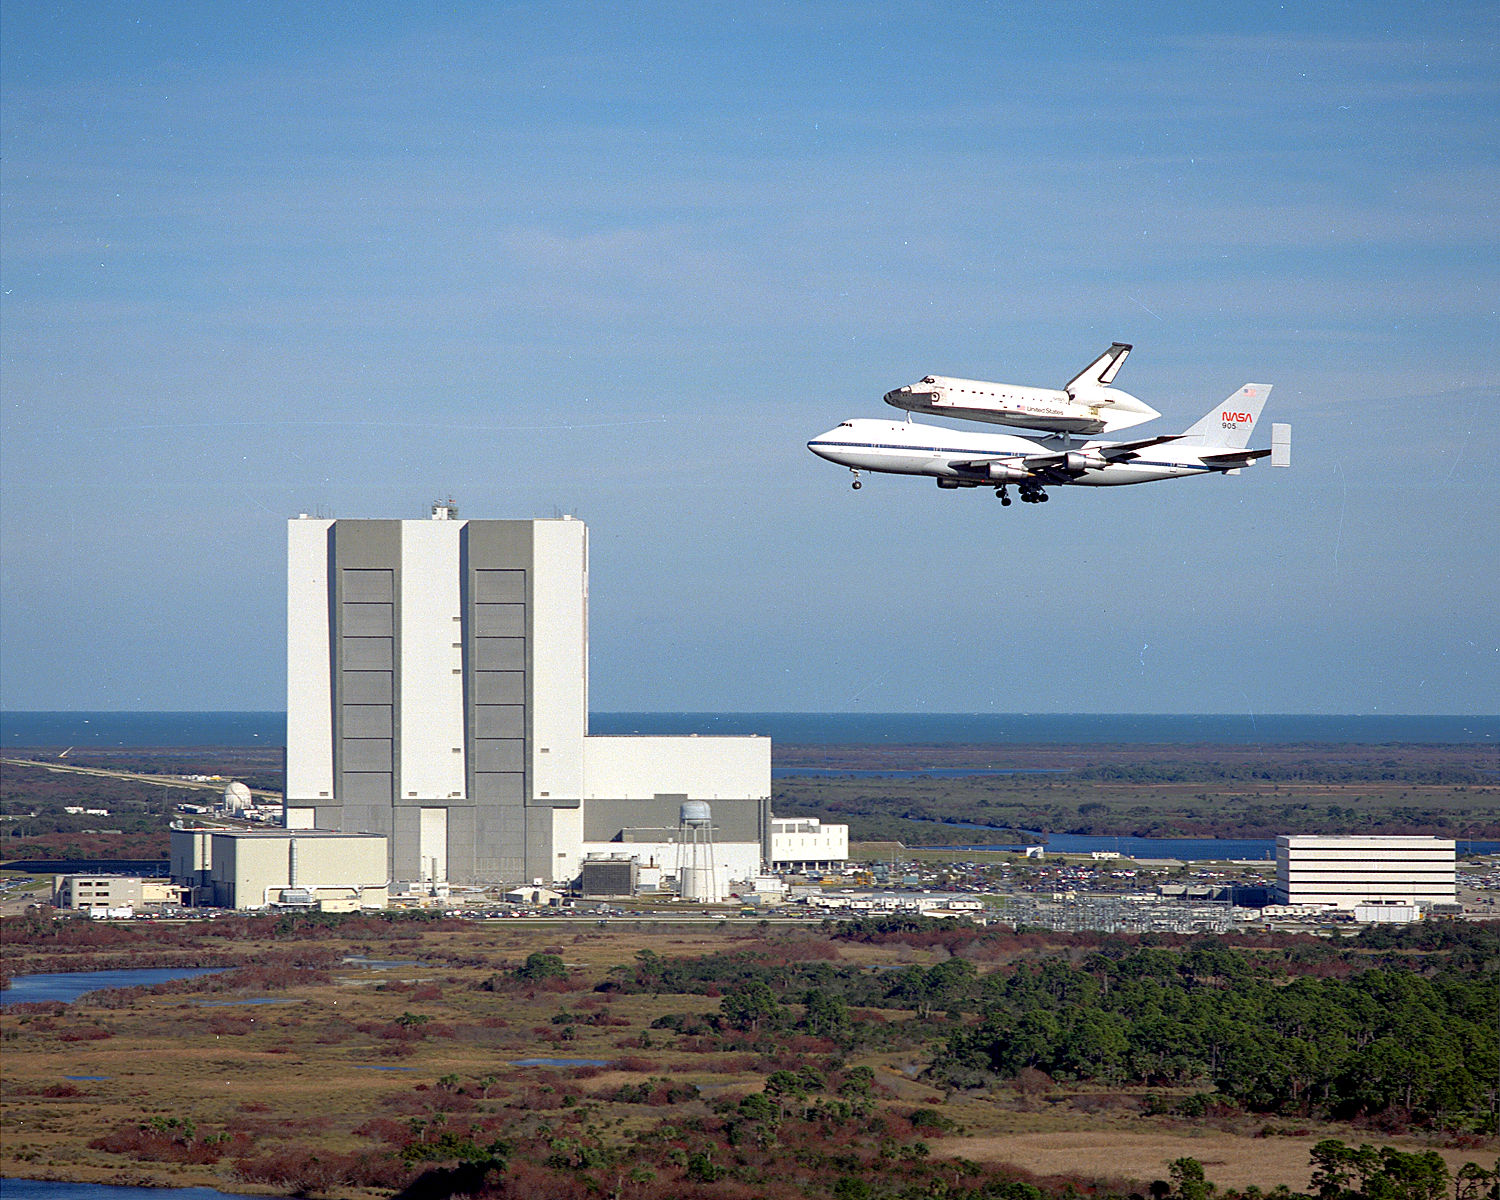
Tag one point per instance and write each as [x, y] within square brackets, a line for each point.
[1366, 873]
[437, 695]
[256, 868]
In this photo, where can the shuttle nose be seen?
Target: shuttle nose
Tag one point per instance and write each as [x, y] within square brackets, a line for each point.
[911, 396]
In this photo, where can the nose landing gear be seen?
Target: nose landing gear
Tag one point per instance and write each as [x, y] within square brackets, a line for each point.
[856, 485]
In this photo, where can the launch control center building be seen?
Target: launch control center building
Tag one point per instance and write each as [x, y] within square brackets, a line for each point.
[437, 693]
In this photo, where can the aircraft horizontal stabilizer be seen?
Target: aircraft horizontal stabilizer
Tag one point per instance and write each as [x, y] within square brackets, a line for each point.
[1234, 458]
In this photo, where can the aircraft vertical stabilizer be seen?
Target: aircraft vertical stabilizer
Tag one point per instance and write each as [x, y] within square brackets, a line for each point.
[1229, 424]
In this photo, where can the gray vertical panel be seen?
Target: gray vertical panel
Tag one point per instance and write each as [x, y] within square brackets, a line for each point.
[499, 754]
[493, 586]
[461, 846]
[503, 787]
[365, 578]
[539, 859]
[369, 818]
[367, 721]
[499, 721]
[361, 584]
[368, 653]
[372, 755]
[366, 787]
[368, 687]
[497, 559]
[500, 620]
[368, 620]
[499, 687]
[499, 654]
[406, 853]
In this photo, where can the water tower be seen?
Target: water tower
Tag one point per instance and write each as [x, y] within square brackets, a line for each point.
[697, 874]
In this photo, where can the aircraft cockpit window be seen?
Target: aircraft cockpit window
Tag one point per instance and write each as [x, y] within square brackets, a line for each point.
[929, 379]
[846, 424]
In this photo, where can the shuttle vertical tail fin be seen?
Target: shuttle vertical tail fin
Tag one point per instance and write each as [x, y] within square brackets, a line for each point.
[1102, 371]
[1229, 424]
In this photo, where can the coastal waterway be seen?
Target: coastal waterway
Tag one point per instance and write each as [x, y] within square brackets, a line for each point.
[49, 1189]
[66, 986]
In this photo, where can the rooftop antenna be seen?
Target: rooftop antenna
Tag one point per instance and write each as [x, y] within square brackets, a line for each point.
[444, 510]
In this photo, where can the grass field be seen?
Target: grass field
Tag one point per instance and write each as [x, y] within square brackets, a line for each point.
[349, 1058]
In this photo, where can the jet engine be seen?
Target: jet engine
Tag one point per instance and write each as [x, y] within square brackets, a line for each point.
[1006, 473]
[1076, 462]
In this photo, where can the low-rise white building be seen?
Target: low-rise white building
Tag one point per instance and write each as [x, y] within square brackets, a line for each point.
[1347, 872]
[806, 844]
[257, 868]
[109, 894]
[661, 857]
[1386, 913]
[927, 904]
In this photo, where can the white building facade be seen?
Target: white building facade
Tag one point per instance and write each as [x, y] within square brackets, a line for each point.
[1352, 872]
[259, 868]
[437, 694]
[806, 844]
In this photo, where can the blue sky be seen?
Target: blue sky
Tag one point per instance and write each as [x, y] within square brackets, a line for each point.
[623, 261]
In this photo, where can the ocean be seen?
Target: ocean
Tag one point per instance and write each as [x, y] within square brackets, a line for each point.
[132, 729]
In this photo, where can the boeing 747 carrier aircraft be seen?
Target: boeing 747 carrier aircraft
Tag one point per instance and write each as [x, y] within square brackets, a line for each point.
[1216, 444]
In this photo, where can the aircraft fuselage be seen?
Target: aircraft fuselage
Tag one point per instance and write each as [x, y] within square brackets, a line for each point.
[957, 458]
[1085, 410]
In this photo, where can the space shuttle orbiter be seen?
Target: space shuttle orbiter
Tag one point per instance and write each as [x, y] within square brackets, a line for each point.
[1088, 404]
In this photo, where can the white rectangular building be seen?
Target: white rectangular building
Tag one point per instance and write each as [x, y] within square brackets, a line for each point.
[806, 844]
[1349, 872]
[258, 868]
[113, 892]
[437, 695]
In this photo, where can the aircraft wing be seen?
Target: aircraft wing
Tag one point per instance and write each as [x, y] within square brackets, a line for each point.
[1114, 452]
[981, 465]
[1063, 465]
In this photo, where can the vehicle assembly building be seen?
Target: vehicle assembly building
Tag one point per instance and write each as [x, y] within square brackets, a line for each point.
[437, 695]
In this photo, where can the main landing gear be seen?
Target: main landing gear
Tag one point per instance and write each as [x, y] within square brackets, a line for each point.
[1031, 493]
[856, 485]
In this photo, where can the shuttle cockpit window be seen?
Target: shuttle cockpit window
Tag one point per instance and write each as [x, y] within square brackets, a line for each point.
[928, 379]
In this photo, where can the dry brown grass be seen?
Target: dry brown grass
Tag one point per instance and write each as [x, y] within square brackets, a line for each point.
[1228, 1160]
[299, 1071]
